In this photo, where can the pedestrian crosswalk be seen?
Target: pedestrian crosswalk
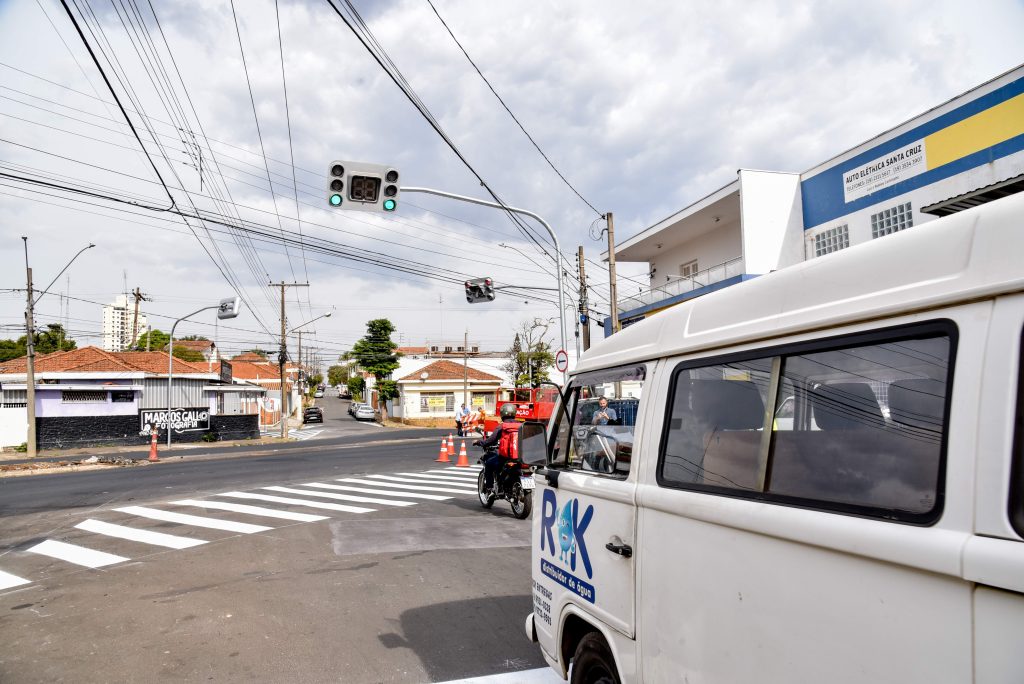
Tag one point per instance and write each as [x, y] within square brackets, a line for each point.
[232, 512]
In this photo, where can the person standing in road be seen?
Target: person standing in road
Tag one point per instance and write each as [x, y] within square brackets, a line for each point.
[460, 420]
[604, 415]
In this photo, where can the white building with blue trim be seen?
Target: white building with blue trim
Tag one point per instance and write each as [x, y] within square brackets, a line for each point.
[965, 152]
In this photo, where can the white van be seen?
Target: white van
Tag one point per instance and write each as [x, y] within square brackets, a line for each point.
[814, 476]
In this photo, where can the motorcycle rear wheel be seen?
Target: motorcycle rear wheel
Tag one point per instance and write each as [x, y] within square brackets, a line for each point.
[521, 500]
[486, 500]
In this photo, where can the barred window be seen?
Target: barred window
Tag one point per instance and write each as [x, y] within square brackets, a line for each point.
[13, 398]
[83, 397]
[891, 220]
[831, 240]
[437, 402]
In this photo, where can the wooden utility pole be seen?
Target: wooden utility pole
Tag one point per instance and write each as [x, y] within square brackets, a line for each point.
[139, 297]
[584, 306]
[611, 272]
[465, 368]
[282, 356]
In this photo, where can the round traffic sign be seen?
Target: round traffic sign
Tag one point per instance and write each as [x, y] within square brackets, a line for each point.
[562, 361]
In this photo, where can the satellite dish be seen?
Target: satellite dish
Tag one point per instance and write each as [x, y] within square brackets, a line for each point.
[424, 375]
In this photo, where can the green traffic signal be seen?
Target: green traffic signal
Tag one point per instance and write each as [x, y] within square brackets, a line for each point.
[336, 200]
[389, 205]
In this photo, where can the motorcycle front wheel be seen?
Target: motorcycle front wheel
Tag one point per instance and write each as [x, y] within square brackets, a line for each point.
[486, 500]
[521, 500]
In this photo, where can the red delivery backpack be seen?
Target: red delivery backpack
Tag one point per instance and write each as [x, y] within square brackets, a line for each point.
[508, 444]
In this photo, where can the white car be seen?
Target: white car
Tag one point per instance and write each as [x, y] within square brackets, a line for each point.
[364, 412]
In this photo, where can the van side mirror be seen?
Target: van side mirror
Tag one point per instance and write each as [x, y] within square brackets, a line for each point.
[533, 443]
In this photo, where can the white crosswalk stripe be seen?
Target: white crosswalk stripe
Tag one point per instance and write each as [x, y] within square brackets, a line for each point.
[456, 469]
[251, 510]
[303, 435]
[379, 492]
[195, 520]
[427, 478]
[413, 480]
[340, 497]
[144, 536]
[460, 475]
[9, 581]
[384, 484]
[298, 502]
[79, 555]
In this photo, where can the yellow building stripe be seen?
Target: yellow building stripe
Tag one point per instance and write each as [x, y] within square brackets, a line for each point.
[985, 129]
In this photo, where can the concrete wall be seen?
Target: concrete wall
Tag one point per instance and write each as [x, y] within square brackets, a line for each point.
[771, 219]
[13, 426]
[72, 432]
[50, 403]
[709, 249]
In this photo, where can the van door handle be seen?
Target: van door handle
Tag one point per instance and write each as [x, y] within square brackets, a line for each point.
[624, 550]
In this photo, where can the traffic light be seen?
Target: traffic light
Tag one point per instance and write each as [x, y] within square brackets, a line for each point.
[479, 290]
[358, 186]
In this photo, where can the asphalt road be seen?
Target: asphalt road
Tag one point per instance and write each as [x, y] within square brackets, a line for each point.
[393, 588]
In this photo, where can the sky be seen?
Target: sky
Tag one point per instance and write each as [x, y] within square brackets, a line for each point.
[644, 107]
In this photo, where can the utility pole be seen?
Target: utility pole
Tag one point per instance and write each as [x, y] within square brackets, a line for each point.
[282, 357]
[139, 297]
[30, 366]
[611, 272]
[584, 310]
[465, 368]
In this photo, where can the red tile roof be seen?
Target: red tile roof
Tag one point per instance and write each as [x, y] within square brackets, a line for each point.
[197, 345]
[449, 370]
[251, 357]
[95, 360]
[410, 351]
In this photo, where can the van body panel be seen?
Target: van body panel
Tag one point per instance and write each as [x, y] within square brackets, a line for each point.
[999, 655]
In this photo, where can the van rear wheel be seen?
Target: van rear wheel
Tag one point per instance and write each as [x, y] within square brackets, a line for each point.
[593, 662]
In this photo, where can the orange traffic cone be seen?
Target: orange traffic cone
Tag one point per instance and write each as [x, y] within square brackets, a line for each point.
[463, 457]
[443, 458]
[451, 446]
[152, 448]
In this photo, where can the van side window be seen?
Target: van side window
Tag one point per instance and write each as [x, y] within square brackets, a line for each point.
[857, 428]
[604, 420]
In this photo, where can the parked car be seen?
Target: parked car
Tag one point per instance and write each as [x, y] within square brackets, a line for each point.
[352, 408]
[319, 394]
[365, 412]
[313, 414]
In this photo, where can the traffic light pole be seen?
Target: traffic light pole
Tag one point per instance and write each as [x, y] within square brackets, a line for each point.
[524, 212]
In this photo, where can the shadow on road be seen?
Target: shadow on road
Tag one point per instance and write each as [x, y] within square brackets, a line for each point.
[447, 637]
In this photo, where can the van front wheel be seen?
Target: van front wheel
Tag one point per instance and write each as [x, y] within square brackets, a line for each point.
[593, 662]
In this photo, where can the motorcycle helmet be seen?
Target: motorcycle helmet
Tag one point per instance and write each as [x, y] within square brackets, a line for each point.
[508, 412]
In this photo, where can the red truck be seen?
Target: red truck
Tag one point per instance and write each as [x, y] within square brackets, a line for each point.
[532, 403]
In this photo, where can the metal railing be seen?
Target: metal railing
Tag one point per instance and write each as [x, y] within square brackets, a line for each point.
[678, 285]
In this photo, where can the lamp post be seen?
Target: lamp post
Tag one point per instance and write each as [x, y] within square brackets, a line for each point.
[298, 328]
[524, 212]
[30, 351]
[228, 308]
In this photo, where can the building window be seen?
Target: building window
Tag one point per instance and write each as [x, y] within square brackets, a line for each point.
[13, 398]
[83, 397]
[689, 269]
[831, 240]
[122, 396]
[891, 220]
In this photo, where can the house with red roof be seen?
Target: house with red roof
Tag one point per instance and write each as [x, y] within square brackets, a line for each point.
[89, 397]
[439, 388]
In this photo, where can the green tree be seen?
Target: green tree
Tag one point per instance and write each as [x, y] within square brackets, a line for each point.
[376, 353]
[535, 356]
[195, 337]
[515, 367]
[46, 341]
[154, 340]
[356, 385]
[186, 354]
[257, 351]
[337, 375]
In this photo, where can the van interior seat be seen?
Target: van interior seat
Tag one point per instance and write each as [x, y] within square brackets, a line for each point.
[845, 406]
[918, 405]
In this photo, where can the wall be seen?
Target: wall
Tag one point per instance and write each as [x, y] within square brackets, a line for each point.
[86, 431]
[49, 403]
[771, 216]
[13, 426]
[709, 249]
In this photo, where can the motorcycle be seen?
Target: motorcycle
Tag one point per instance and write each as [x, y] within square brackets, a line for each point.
[513, 482]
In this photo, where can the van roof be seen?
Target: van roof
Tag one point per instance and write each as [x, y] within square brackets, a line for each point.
[972, 254]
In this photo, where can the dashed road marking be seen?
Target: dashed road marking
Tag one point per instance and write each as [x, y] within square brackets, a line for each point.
[9, 581]
[298, 502]
[144, 536]
[79, 555]
[197, 521]
[251, 510]
[340, 497]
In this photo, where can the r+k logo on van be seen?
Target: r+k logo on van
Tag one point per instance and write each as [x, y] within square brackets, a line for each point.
[571, 531]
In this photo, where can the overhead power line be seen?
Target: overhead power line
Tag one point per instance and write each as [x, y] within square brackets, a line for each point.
[514, 117]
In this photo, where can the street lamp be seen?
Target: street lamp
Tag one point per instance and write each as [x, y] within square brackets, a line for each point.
[30, 351]
[228, 308]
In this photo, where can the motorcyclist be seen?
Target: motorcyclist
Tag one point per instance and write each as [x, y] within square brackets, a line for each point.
[493, 462]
